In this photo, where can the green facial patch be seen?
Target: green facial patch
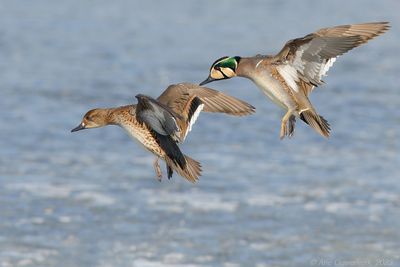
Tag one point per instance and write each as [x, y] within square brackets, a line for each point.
[230, 62]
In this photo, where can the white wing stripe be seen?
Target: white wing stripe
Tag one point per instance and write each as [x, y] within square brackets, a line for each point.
[193, 119]
[327, 66]
[289, 74]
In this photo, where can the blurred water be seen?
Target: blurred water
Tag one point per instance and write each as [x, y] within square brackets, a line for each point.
[90, 199]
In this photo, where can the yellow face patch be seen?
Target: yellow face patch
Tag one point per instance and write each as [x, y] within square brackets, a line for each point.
[216, 74]
[222, 73]
[228, 72]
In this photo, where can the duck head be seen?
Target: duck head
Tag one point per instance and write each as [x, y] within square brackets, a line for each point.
[223, 68]
[93, 119]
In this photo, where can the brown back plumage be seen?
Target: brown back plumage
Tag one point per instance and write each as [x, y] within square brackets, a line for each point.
[185, 98]
[177, 97]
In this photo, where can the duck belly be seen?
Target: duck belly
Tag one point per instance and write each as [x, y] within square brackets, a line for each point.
[275, 91]
[145, 139]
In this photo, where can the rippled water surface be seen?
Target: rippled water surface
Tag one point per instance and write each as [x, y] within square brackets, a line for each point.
[90, 198]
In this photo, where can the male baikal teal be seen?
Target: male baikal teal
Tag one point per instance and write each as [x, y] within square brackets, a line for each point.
[291, 75]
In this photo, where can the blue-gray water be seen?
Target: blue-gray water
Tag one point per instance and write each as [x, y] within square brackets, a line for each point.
[91, 198]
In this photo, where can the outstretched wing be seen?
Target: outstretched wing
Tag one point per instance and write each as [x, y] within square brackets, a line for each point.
[189, 100]
[308, 59]
[157, 116]
[177, 96]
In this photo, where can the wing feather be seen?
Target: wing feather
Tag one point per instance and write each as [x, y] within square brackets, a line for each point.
[157, 116]
[189, 100]
[310, 57]
[177, 95]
